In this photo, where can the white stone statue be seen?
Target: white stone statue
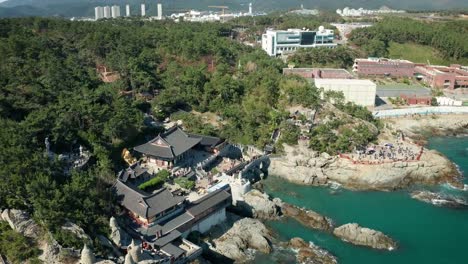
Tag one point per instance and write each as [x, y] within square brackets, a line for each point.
[87, 256]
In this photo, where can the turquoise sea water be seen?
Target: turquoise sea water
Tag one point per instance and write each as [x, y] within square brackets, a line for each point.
[425, 233]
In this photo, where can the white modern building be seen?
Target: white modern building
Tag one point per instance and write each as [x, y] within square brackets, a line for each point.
[115, 11]
[127, 10]
[107, 12]
[360, 92]
[143, 10]
[98, 12]
[278, 42]
[250, 9]
[160, 10]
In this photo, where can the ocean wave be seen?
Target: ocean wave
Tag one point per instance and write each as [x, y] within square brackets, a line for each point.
[334, 185]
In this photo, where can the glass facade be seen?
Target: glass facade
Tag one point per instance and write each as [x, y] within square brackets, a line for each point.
[308, 38]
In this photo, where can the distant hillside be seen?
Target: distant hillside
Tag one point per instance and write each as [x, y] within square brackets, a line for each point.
[69, 8]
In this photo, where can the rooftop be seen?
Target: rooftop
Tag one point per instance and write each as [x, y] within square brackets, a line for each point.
[343, 81]
[173, 250]
[174, 142]
[169, 144]
[132, 172]
[143, 204]
[208, 201]
[383, 60]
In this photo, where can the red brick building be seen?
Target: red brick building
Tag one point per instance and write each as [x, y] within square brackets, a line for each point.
[416, 100]
[453, 78]
[384, 67]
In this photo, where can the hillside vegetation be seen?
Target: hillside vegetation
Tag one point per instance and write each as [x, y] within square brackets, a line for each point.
[450, 39]
[420, 54]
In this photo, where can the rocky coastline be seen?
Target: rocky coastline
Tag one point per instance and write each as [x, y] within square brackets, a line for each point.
[301, 165]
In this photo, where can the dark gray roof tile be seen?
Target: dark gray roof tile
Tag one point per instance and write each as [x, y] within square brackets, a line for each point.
[143, 204]
[210, 200]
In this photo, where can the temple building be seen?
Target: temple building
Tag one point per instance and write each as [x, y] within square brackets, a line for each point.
[173, 146]
[148, 209]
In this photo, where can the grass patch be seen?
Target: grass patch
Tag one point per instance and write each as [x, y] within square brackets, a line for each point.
[160, 178]
[419, 54]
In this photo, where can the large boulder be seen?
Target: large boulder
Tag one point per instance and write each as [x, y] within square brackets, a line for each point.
[310, 253]
[51, 251]
[118, 235]
[438, 199]
[76, 230]
[308, 218]
[245, 234]
[258, 205]
[21, 222]
[362, 236]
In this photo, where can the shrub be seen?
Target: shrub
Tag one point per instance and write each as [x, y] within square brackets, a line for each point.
[159, 179]
[185, 183]
[68, 240]
[16, 247]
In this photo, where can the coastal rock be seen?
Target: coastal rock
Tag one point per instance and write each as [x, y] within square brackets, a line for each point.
[21, 222]
[244, 234]
[439, 199]
[308, 218]
[258, 205]
[310, 253]
[362, 236]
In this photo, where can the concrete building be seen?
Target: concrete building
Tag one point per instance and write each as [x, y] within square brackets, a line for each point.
[98, 12]
[127, 10]
[250, 9]
[453, 78]
[107, 12]
[160, 12]
[360, 92]
[143, 10]
[384, 67]
[115, 11]
[278, 42]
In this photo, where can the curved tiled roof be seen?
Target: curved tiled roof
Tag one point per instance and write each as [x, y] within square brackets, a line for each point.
[143, 204]
[170, 144]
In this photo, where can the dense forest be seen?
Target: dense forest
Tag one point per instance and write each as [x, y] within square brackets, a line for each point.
[449, 38]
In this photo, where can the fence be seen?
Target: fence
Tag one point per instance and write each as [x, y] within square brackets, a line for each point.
[432, 110]
[378, 162]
